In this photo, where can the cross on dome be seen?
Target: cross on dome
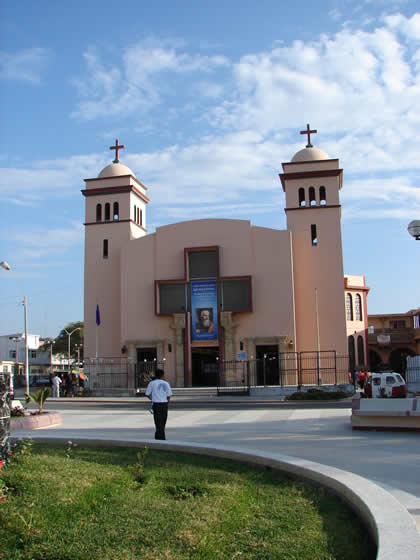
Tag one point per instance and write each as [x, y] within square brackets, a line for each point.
[308, 131]
[117, 147]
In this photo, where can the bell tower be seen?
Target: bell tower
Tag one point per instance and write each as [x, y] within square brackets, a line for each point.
[312, 183]
[115, 213]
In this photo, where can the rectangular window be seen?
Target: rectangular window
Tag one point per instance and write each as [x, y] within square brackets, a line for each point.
[314, 236]
[397, 324]
[172, 298]
[202, 264]
[33, 353]
[235, 295]
[141, 217]
[12, 354]
[105, 249]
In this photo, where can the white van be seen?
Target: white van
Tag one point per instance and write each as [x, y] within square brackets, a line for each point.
[385, 385]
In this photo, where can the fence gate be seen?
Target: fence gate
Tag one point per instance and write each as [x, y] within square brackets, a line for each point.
[145, 372]
[317, 368]
[233, 378]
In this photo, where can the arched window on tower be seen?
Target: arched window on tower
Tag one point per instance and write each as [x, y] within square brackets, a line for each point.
[107, 212]
[352, 357]
[358, 307]
[99, 212]
[312, 201]
[116, 211]
[135, 212]
[349, 307]
[302, 201]
[360, 351]
[322, 196]
[137, 216]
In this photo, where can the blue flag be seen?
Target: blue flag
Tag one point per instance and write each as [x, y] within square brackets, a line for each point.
[98, 315]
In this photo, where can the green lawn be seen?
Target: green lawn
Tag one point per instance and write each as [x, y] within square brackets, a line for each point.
[89, 506]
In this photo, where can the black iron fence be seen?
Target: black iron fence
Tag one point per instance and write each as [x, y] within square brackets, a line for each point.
[285, 370]
[109, 374]
[300, 368]
[412, 378]
[233, 378]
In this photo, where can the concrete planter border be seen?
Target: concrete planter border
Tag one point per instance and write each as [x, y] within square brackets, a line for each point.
[35, 421]
[389, 523]
[386, 414]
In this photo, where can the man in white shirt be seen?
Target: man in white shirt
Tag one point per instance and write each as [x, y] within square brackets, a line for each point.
[56, 382]
[159, 392]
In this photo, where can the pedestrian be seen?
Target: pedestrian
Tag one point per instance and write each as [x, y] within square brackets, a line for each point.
[159, 392]
[56, 382]
[361, 378]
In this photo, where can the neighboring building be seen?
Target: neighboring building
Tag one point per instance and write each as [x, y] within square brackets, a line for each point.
[393, 337]
[12, 355]
[12, 351]
[355, 296]
[200, 291]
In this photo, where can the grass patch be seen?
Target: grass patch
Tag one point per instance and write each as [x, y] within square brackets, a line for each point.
[86, 503]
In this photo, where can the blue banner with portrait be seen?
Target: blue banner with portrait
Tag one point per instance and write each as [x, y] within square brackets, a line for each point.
[204, 310]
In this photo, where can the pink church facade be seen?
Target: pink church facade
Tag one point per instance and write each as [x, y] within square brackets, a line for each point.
[197, 292]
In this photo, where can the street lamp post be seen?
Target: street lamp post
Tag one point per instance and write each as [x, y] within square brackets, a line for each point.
[12, 388]
[69, 335]
[6, 266]
[51, 341]
[78, 348]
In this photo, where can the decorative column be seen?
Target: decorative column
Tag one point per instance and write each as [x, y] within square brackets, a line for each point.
[131, 365]
[229, 326]
[178, 326]
[282, 346]
[251, 356]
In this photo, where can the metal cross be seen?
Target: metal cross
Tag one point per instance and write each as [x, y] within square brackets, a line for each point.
[117, 147]
[308, 131]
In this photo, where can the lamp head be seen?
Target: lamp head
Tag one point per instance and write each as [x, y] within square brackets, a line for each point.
[5, 265]
[413, 229]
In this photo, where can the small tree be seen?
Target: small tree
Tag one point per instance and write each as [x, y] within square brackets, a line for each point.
[39, 397]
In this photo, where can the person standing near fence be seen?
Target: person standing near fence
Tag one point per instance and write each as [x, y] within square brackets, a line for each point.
[159, 392]
[56, 382]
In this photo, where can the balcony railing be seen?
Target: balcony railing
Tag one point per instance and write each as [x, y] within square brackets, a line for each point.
[394, 336]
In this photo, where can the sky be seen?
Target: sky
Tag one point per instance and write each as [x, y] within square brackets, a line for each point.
[208, 98]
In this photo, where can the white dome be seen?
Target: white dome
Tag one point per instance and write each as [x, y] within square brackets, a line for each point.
[310, 154]
[115, 170]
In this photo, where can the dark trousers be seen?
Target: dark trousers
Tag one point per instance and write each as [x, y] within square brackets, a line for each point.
[160, 415]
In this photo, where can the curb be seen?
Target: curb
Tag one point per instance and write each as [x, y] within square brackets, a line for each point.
[389, 523]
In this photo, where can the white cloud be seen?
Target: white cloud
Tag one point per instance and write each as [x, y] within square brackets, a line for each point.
[26, 65]
[40, 242]
[58, 178]
[137, 82]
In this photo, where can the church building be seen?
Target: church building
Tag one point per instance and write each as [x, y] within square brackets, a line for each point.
[201, 292]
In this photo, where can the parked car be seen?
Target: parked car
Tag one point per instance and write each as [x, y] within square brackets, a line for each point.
[39, 380]
[385, 385]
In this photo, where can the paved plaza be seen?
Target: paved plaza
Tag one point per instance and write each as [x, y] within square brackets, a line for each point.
[323, 435]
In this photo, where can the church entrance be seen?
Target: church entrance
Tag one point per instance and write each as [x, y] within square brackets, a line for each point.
[267, 365]
[205, 366]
